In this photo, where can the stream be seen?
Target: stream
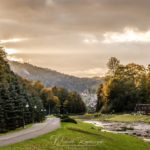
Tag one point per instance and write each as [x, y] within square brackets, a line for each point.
[141, 130]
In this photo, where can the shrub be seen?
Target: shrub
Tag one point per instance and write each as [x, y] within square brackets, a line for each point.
[65, 118]
[69, 120]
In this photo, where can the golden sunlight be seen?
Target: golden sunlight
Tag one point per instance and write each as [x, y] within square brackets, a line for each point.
[128, 35]
[12, 40]
[10, 51]
[13, 58]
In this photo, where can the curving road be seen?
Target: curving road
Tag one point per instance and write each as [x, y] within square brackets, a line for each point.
[36, 130]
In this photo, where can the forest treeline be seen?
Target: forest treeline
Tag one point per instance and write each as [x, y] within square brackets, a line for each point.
[23, 102]
[57, 100]
[124, 87]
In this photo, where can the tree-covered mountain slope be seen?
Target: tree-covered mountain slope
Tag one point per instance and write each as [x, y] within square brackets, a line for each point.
[52, 78]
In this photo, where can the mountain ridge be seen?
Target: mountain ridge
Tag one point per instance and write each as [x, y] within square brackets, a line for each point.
[51, 77]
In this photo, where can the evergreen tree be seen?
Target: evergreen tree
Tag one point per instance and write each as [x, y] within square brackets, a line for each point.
[18, 99]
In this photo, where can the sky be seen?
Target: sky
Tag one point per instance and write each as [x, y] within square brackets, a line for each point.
[76, 37]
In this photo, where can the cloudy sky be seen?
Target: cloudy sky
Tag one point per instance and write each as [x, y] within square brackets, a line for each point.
[76, 36]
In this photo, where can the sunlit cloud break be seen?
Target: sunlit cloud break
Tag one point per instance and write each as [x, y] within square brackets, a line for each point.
[13, 58]
[89, 38]
[90, 41]
[15, 40]
[128, 35]
[10, 51]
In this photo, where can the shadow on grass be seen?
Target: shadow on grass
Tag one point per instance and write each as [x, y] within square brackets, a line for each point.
[82, 131]
[90, 133]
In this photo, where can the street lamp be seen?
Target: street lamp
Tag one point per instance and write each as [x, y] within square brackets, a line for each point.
[42, 114]
[49, 109]
[26, 106]
[34, 108]
[44, 111]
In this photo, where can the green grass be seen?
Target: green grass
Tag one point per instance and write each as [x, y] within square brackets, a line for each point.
[124, 118]
[114, 117]
[16, 130]
[80, 136]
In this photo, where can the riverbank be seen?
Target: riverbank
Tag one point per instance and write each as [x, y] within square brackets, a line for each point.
[141, 130]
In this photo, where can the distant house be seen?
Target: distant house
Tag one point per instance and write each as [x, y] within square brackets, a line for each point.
[143, 109]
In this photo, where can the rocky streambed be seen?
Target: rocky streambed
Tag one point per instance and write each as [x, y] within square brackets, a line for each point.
[139, 129]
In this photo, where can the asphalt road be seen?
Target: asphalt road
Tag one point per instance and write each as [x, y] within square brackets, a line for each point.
[36, 130]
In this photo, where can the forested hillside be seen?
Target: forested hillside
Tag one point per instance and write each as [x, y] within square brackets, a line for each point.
[124, 87]
[52, 78]
[20, 103]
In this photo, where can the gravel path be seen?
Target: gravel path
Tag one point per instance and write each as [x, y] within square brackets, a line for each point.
[36, 130]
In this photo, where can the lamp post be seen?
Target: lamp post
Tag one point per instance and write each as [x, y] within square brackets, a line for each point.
[26, 106]
[34, 108]
[49, 109]
[42, 114]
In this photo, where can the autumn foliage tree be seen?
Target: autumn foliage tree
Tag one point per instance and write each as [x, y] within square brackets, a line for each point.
[57, 100]
[128, 85]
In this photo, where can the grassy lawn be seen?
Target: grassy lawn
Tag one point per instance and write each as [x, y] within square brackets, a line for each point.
[124, 118]
[114, 117]
[80, 136]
